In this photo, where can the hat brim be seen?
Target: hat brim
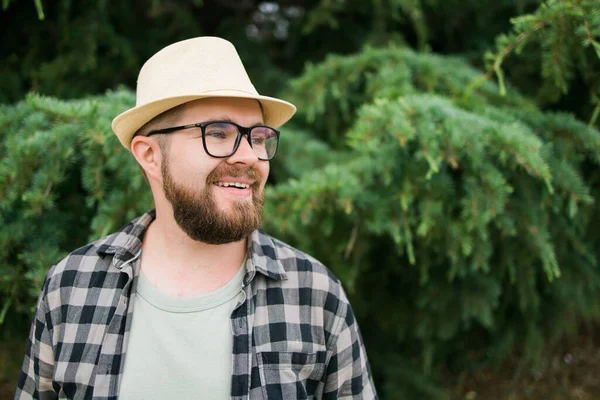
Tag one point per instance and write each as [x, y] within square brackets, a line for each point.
[276, 112]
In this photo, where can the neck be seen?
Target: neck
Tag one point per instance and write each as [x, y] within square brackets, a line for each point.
[181, 266]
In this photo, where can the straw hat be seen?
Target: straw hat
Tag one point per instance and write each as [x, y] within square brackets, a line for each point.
[189, 70]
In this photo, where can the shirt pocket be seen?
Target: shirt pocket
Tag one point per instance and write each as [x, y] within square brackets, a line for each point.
[291, 375]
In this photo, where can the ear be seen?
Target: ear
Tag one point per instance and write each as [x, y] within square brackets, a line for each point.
[147, 153]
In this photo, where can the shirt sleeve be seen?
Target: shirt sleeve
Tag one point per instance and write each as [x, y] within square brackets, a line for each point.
[35, 381]
[348, 371]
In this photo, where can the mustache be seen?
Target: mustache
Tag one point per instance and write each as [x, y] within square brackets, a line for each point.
[234, 172]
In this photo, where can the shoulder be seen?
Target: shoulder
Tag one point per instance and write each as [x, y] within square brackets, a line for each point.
[83, 262]
[295, 260]
[309, 276]
[97, 263]
[292, 260]
[302, 289]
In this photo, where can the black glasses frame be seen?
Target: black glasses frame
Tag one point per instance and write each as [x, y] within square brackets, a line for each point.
[242, 130]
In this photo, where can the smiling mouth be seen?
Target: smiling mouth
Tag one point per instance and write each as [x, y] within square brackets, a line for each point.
[237, 185]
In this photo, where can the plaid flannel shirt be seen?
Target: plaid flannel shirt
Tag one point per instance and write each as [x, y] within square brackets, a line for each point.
[294, 334]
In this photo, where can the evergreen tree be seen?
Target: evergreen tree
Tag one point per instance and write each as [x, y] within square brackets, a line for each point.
[82, 47]
[462, 223]
[562, 43]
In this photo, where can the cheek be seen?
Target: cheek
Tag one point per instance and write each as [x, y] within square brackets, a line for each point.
[264, 172]
[191, 171]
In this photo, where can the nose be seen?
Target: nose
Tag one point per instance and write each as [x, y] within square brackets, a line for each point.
[244, 154]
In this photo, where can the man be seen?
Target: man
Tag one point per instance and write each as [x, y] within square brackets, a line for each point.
[192, 299]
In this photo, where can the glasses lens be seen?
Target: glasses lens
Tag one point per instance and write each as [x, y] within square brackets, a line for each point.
[264, 142]
[220, 138]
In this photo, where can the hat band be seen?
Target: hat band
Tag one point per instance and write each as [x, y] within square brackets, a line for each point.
[204, 93]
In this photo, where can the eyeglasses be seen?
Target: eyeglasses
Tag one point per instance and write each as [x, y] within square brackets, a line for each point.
[221, 139]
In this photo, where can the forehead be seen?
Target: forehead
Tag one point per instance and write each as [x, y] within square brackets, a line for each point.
[242, 111]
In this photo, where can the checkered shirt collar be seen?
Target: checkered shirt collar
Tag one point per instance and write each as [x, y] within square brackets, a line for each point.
[126, 243]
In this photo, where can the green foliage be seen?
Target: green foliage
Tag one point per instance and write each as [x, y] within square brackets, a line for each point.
[462, 224]
[341, 84]
[38, 6]
[461, 217]
[447, 26]
[64, 180]
[82, 48]
[565, 36]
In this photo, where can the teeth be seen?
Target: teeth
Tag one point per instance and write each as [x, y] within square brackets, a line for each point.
[236, 184]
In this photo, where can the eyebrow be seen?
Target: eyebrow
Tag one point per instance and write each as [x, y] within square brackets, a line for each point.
[228, 119]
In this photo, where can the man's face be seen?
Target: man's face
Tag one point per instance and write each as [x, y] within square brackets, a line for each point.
[206, 203]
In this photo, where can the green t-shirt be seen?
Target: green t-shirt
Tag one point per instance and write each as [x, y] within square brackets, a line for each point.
[180, 347]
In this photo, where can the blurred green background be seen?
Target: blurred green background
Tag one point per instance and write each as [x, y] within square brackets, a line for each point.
[444, 163]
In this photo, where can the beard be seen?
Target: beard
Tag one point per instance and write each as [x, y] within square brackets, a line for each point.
[198, 215]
